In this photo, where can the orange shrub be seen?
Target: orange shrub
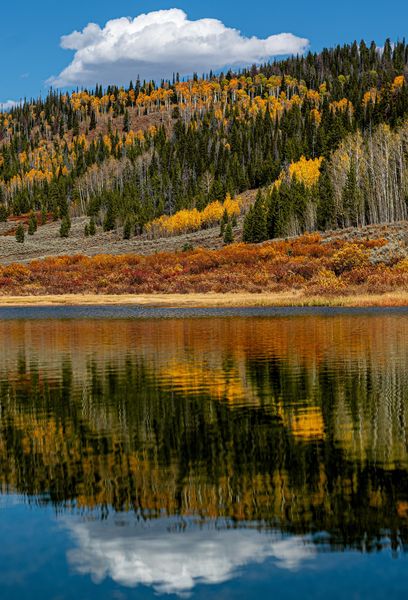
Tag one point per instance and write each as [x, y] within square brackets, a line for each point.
[349, 257]
[326, 279]
[402, 266]
[308, 263]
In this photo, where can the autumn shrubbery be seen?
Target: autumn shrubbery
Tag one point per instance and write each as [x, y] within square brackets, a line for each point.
[308, 263]
[349, 257]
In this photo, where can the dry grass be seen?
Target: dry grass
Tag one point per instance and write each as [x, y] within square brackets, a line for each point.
[210, 300]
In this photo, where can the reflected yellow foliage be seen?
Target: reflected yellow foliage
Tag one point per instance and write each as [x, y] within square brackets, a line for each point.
[306, 424]
[251, 419]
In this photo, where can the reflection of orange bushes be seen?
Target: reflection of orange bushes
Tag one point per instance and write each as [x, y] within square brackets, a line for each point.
[214, 358]
[203, 344]
[307, 263]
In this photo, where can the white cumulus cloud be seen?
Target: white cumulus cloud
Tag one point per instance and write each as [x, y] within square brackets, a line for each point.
[6, 106]
[159, 43]
[174, 563]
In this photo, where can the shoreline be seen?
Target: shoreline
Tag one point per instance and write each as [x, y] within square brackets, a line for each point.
[210, 300]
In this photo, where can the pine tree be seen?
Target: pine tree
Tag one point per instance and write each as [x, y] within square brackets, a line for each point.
[65, 227]
[3, 213]
[20, 233]
[109, 221]
[92, 124]
[352, 198]
[228, 235]
[92, 227]
[55, 199]
[86, 230]
[63, 205]
[32, 224]
[127, 229]
[224, 221]
[75, 125]
[247, 234]
[272, 212]
[43, 215]
[126, 122]
[326, 210]
[259, 224]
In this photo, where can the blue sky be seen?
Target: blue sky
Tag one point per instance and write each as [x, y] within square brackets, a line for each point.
[30, 52]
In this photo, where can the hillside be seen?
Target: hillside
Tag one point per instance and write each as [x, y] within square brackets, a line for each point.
[324, 136]
[47, 241]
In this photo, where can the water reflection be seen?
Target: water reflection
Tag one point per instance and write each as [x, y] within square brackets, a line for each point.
[279, 428]
[173, 557]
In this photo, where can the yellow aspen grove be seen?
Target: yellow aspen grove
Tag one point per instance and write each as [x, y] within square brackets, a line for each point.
[185, 221]
[306, 171]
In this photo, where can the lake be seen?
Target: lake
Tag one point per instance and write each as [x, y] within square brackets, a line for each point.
[224, 453]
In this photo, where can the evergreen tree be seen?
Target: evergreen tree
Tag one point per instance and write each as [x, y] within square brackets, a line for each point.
[75, 125]
[20, 233]
[32, 224]
[326, 210]
[247, 234]
[127, 229]
[126, 122]
[61, 129]
[3, 213]
[43, 215]
[352, 198]
[65, 227]
[259, 225]
[228, 235]
[92, 124]
[224, 221]
[63, 205]
[92, 227]
[55, 199]
[109, 221]
[273, 212]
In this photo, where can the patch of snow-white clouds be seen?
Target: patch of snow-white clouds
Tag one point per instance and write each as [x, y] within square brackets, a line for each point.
[7, 106]
[160, 43]
[175, 562]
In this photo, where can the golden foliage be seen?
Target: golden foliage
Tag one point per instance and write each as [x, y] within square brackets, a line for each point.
[349, 257]
[187, 220]
[306, 171]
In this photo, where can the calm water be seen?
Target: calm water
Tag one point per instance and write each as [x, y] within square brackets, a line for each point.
[262, 454]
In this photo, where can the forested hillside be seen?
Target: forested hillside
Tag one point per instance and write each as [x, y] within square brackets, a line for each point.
[325, 138]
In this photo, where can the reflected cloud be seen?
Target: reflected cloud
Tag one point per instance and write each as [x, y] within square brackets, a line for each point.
[174, 560]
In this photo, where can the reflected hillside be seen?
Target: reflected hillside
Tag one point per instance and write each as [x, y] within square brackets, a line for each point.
[296, 423]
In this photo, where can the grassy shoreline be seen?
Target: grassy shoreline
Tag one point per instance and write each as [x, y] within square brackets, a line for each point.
[210, 300]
